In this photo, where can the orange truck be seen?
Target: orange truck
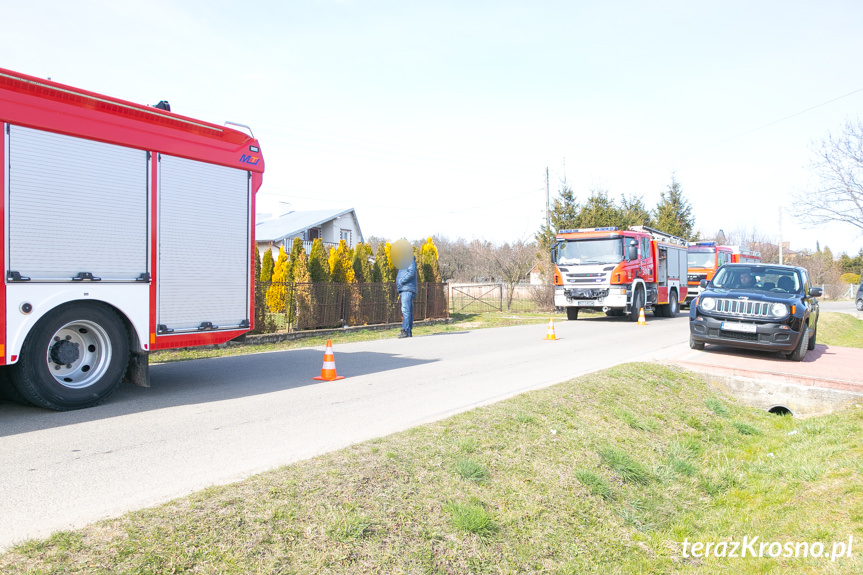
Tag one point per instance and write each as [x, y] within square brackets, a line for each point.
[619, 271]
[704, 258]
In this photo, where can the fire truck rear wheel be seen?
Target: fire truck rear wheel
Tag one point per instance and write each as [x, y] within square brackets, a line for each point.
[572, 313]
[673, 305]
[74, 357]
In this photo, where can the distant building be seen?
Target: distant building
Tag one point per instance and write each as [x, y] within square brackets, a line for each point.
[535, 274]
[330, 226]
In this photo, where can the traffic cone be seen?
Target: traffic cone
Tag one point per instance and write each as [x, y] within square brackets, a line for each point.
[328, 371]
[641, 320]
[549, 333]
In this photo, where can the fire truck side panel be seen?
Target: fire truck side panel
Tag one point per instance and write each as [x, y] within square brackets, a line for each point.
[203, 231]
[72, 206]
[75, 206]
[3, 169]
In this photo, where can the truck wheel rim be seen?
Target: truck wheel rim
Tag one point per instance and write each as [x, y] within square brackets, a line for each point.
[78, 354]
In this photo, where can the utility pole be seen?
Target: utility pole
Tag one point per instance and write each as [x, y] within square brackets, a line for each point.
[780, 235]
[547, 204]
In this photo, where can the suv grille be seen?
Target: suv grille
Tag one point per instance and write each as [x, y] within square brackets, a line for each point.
[742, 307]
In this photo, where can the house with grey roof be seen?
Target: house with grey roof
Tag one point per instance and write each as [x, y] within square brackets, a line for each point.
[330, 226]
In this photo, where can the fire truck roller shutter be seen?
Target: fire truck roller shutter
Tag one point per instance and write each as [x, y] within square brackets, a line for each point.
[75, 206]
[204, 269]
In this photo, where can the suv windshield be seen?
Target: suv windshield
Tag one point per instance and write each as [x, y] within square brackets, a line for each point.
[704, 258]
[604, 251]
[758, 278]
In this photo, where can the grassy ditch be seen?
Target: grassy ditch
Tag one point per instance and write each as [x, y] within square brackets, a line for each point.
[840, 329]
[608, 473]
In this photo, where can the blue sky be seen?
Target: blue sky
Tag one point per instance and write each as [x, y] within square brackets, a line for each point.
[441, 117]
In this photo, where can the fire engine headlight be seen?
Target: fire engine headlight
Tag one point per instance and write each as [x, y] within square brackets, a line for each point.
[778, 309]
[707, 304]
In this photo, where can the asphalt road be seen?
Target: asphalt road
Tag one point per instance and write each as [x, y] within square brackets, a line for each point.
[214, 421]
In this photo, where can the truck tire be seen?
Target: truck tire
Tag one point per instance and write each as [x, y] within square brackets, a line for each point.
[802, 346]
[74, 357]
[673, 307]
[637, 304]
[572, 313]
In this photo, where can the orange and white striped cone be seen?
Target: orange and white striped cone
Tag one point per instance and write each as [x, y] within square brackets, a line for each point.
[641, 320]
[328, 371]
[549, 332]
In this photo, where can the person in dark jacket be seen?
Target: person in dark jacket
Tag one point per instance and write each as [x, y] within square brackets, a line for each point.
[406, 283]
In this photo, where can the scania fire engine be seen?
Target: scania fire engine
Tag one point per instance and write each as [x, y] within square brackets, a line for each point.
[126, 229]
[619, 271]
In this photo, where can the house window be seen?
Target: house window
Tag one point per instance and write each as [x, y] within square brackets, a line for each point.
[314, 234]
[345, 235]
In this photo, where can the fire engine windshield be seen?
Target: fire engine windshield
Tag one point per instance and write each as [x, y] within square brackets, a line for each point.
[602, 251]
[704, 258]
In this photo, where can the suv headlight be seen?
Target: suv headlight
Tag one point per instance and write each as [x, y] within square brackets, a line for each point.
[778, 309]
[707, 304]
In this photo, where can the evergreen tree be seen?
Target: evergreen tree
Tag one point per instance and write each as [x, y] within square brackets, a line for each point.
[599, 211]
[383, 263]
[673, 214]
[563, 214]
[633, 212]
[362, 267]
[341, 270]
[296, 249]
[277, 292]
[267, 266]
[319, 269]
[302, 290]
[428, 261]
[261, 323]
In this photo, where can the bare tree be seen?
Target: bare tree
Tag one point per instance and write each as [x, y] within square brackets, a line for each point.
[511, 263]
[839, 197]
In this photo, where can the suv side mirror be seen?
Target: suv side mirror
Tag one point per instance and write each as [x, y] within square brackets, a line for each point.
[815, 292]
[703, 283]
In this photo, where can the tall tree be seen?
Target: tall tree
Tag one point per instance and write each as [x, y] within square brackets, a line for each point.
[267, 266]
[839, 167]
[428, 262]
[319, 268]
[673, 214]
[296, 250]
[277, 292]
[562, 214]
[341, 270]
[362, 266]
[383, 263]
[598, 211]
[633, 212]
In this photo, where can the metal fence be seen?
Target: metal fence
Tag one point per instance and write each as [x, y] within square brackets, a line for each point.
[296, 306]
[485, 297]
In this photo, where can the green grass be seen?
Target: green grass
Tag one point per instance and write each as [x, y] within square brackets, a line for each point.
[840, 329]
[596, 496]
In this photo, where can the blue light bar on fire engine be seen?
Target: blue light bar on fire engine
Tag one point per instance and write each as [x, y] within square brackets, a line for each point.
[587, 230]
[703, 243]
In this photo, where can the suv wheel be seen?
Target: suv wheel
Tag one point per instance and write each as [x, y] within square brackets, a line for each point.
[802, 346]
[860, 304]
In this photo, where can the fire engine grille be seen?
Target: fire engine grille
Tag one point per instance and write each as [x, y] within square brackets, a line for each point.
[743, 307]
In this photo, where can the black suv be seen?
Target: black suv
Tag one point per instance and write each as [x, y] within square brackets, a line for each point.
[757, 306]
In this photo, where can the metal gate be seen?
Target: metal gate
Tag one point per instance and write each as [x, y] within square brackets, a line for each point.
[476, 298]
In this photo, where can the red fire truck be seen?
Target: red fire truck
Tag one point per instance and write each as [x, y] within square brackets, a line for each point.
[619, 271]
[126, 229]
[704, 258]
